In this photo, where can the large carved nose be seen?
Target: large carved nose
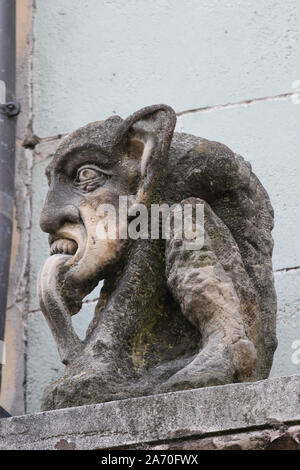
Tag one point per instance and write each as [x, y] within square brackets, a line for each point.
[54, 216]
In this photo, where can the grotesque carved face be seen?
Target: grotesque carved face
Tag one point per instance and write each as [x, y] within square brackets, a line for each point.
[93, 166]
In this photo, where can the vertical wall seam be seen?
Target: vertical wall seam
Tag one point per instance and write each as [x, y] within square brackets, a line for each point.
[29, 195]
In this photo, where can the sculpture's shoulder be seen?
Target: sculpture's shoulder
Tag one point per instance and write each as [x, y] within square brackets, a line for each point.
[210, 165]
[211, 171]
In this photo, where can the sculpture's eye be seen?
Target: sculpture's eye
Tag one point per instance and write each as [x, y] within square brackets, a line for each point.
[85, 174]
[89, 177]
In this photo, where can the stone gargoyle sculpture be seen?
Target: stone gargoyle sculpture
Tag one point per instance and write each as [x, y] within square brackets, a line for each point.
[168, 318]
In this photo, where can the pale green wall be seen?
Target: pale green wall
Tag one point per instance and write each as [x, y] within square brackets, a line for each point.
[93, 58]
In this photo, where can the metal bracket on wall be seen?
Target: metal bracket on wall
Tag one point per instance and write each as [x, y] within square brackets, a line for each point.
[12, 108]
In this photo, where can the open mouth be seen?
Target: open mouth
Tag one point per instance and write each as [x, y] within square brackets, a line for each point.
[63, 246]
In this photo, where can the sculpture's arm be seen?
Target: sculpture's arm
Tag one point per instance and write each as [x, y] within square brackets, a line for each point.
[208, 285]
[55, 311]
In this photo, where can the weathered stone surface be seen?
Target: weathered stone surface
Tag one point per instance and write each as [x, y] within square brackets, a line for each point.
[190, 414]
[169, 317]
[280, 437]
[39, 246]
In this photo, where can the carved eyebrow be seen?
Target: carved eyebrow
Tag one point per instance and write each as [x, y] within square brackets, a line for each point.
[70, 161]
[97, 167]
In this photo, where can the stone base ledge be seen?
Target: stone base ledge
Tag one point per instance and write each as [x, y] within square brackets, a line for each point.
[163, 421]
[279, 437]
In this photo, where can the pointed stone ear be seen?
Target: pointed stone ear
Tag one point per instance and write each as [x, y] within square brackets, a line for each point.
[146, 136]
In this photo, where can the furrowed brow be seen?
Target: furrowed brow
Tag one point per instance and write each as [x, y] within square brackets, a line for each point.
[87, 154]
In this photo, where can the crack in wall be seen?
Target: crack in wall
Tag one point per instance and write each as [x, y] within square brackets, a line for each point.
[244, 103]
[284, 270]
[32, 140]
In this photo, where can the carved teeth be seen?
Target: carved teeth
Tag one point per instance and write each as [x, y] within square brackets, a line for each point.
[63, 245]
